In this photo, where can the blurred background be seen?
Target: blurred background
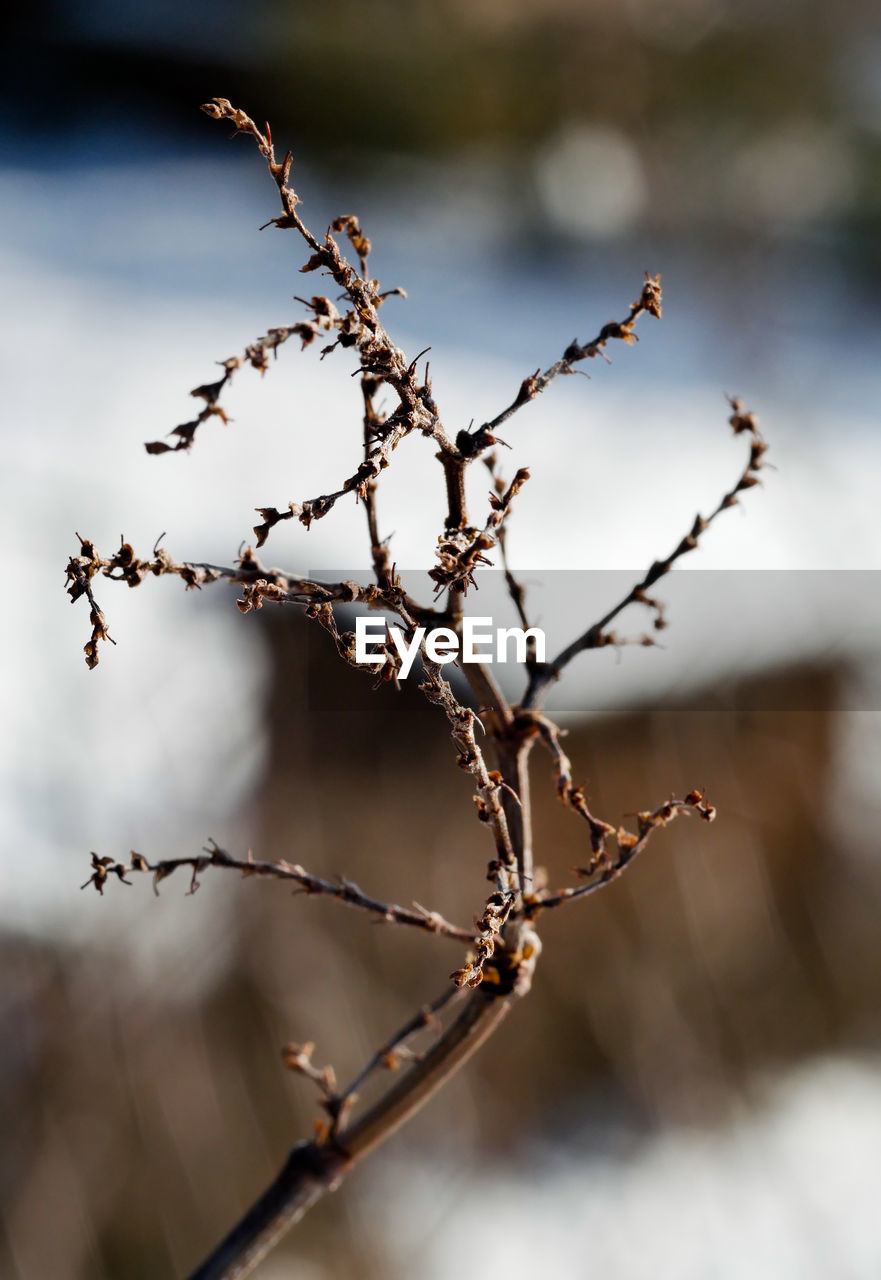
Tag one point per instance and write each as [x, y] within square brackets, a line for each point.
[693, 1088]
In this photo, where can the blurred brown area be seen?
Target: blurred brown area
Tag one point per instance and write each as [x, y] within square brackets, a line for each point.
[140, 1122]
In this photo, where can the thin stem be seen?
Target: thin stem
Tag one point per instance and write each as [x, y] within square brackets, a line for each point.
[378, 550]
[514, 761]
[481, 1016]
[308, 1174]
[345, 891]
[395, 1044]
[649, 301]
[311, 1171]
[543, 675]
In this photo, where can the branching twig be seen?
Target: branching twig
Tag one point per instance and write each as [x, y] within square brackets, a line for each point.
[260, 584]
[604, 867]
[315, 1168]
[359, 327]
[503, 946]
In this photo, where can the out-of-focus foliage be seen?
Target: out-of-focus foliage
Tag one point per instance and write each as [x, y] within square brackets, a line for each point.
[597, 118]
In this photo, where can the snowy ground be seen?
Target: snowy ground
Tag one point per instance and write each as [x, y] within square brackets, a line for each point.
[787, 1190]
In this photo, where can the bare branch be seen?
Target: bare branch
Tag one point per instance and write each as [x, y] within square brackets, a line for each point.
[359, 327]
[596, 635]
[504, 867]
[345, 891]
[374, 425]
[377, 458]
[314, 1168]
[256, 354]
[393, 1054]
[496, 911]
[503, 947]
[571, 795]
[260, 584]
[604, 867]
[516, 590]
[649, 301]
[457, 563]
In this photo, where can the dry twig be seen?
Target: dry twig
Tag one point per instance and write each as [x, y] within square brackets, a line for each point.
[345, 891]
[503, 944]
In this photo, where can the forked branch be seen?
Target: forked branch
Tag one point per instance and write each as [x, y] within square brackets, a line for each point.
[503, 946]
